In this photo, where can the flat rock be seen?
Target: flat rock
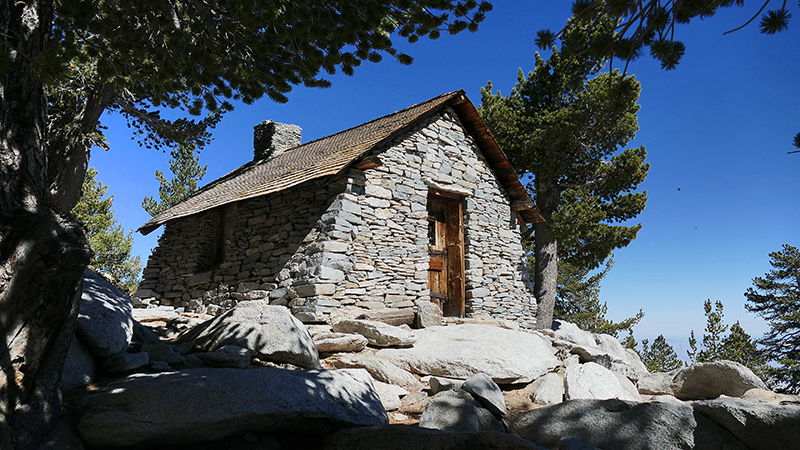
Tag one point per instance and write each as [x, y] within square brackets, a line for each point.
[124, 361]
[658, 383]
[457, 410]
[339, 342]
[710, 380]
[157, 314]
[196, 405]
[593, 381]
[404, 437]
[378, 334]
[547, 390]
[162, 352]
[105, 321]
[458, 351]
[235, 350]
[79, 367]
[389, 394]
[223, 359]
[379, 369]
[143, 334]
[439, 384]
[609, 424]
[414, 403]
[269, 330]
[756, 423]
[428, 314]
[603, 349]
[763, 394]
[315, 329]
[487, 393]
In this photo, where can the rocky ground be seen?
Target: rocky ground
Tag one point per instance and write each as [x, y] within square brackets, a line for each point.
[257, 378]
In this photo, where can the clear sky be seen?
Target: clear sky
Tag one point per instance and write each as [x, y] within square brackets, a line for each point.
[722, 191]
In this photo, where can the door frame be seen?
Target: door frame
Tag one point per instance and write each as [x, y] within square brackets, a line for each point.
[455, 304]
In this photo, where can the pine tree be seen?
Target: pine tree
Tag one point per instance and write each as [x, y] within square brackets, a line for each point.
[660, 357]
[740, 347]
[715, 328]
[651, 25]
[184, 164]
[578, 301]
[110, 244]
[692, 352]
[776, 298]
[565, 124]
[736, 346]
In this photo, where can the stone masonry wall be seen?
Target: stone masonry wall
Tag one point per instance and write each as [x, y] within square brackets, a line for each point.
[391, 247]
[360, 240]
[267, 235]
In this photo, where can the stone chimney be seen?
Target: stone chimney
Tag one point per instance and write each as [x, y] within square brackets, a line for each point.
[270, 139]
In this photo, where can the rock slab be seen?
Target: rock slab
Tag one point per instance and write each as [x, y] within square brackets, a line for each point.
[593, 381]
[339, 342]
[377, 333]
[609, 424]
[710, 380]
[196, 405]
[487, 393]
[457, 410]
[458, 351]
[547, 390]
[403, 437]
[79, 367]
[379, 369]
[603, 349]
[760, 425]
[269, 330]
[105, 317]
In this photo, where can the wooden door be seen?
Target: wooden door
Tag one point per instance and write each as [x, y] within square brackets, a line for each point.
[446, 253]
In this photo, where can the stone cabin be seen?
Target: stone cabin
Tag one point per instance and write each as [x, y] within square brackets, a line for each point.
[414, 206]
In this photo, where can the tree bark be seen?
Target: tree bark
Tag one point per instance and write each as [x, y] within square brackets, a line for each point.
[545, 279]
[68, 148]
[545, 275]
[42, 251]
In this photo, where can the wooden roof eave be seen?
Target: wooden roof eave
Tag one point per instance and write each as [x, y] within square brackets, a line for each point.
[497, 159]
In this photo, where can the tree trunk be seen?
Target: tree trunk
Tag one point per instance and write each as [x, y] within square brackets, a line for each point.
[68, 149]
[42, 251]
[545, 277]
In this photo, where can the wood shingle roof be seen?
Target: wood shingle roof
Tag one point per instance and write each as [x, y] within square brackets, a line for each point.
[332, 154]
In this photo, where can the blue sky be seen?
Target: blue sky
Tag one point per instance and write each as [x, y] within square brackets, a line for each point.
[722, 191]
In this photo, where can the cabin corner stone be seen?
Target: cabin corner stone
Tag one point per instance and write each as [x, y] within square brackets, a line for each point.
[425, 220]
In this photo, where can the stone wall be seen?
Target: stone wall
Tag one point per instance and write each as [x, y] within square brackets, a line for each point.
[267, 234]
[391, 247]
[357, 240]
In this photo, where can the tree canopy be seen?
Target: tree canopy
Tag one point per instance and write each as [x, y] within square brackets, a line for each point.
[736, 346]
[652, 24]
[111, 246]
[578, 300]
[564, 124]
[184, 164]
[62, 64]
[136, 58]
[776, 298]
[660, 356]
